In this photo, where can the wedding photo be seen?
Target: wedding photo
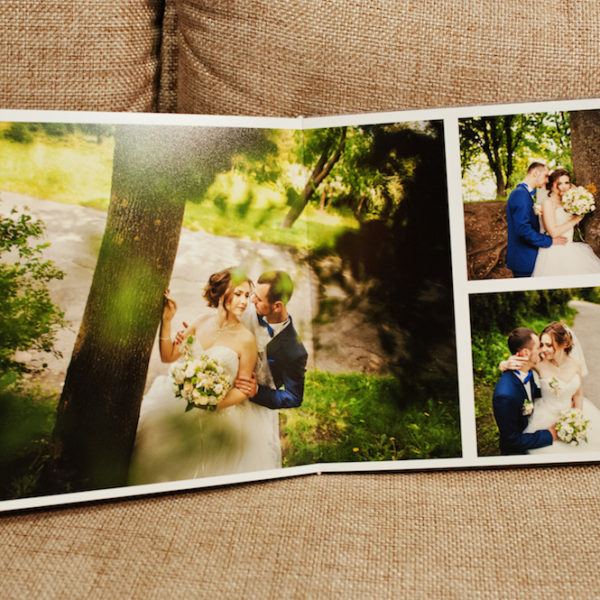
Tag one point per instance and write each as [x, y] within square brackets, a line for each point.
[535, 373]
[529, 188]
[185, 302]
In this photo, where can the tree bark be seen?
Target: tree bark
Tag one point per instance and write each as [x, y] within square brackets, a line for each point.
[99, 405]
[155, 169]
[585, 141]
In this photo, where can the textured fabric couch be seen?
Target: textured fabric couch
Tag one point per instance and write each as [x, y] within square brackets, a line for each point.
[504, 533]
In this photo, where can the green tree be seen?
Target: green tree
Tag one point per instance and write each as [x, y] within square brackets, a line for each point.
[155, 170]
[508, 143]
[29, 319]
[322, 148]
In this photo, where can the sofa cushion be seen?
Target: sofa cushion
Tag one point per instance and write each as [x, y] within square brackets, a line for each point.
[276, 57]
[85, 55]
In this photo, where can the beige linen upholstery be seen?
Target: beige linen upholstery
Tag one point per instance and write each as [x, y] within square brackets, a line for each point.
[476, 534]
[513, 533]
[79, 55]
[282, 58]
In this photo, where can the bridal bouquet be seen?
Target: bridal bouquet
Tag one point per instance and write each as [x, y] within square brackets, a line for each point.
[572, 427]
[202, 382]
[579, 201]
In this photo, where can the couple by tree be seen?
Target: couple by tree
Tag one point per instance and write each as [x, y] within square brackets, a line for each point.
[249, 335]
[540, 231]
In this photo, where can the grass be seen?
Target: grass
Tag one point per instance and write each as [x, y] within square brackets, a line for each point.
[27, 419]
[77, 170]
[356, 417]
[314, 228]
[73, 170]
[344, 418]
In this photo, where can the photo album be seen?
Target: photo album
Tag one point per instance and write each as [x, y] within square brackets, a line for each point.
[191, 301]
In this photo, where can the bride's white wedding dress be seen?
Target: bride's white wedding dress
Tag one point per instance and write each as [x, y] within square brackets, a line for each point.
[556, 397]
[574, 258]
[172, 444]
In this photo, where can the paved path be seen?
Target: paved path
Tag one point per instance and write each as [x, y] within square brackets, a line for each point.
[587, 330]
[75, 233]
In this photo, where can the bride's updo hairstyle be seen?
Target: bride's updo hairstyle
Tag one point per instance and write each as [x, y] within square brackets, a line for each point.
[555, 175]
[560, 335]
[223, 283]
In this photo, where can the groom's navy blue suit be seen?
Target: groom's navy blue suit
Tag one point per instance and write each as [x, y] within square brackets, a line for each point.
[523, 228]
[287, 360]
[508, 399]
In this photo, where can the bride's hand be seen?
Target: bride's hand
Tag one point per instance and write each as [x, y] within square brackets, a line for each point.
[169, 307]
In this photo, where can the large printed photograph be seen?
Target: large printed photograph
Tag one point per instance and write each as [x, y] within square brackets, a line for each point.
[182, 302]
[529, 187]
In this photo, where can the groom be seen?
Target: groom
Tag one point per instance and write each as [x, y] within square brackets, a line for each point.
[514, 395]
[523, 227]
[275, 334]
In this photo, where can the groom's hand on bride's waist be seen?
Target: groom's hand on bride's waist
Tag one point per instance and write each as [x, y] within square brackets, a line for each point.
[552, 430]
[559, 240]
[247, 385]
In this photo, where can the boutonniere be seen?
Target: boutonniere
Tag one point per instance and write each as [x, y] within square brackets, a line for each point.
[527, 407]
[554, 385]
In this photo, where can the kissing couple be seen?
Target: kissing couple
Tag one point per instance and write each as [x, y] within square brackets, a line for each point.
[540, 231]
[542, 379]
[248, 332]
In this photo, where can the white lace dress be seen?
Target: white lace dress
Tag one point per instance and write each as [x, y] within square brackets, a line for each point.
[573, 258]
[172, 444]
[556, 397]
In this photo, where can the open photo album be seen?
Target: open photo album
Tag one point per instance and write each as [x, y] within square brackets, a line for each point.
[191, 301]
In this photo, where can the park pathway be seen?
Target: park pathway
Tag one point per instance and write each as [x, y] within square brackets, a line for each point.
[587, 330]
[75, 233]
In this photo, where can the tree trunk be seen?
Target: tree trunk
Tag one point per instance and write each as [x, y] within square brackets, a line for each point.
[99, 406]
[585, 140]
[321, 170]
[323, 199]
[155, 169]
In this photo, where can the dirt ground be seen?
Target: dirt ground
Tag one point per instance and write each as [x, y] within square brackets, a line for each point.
[485, 230]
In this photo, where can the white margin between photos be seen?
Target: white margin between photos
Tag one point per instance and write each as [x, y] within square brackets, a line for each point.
[461, 287]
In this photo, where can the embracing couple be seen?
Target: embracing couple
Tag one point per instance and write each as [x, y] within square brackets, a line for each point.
[540, 242]
[527, 410]
[250, 334]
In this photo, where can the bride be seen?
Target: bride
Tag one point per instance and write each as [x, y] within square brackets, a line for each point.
[239, 436]
[560, 371]
[573, 258]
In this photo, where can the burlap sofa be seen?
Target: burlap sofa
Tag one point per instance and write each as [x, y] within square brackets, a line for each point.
[503, 533]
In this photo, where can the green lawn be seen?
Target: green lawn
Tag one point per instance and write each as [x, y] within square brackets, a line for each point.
[75, 170]
[356, 417]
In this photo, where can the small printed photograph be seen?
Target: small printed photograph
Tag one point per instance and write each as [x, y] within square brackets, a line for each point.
[536, 374]
[529, 187]
[185, 302]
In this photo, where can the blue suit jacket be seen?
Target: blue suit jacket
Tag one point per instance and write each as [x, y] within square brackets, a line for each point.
[508, 410]
[523, 228]
[287, 360]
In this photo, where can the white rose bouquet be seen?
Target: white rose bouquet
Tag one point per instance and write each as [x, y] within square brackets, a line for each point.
[579, 200]
[571, 427]
[202, 382]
